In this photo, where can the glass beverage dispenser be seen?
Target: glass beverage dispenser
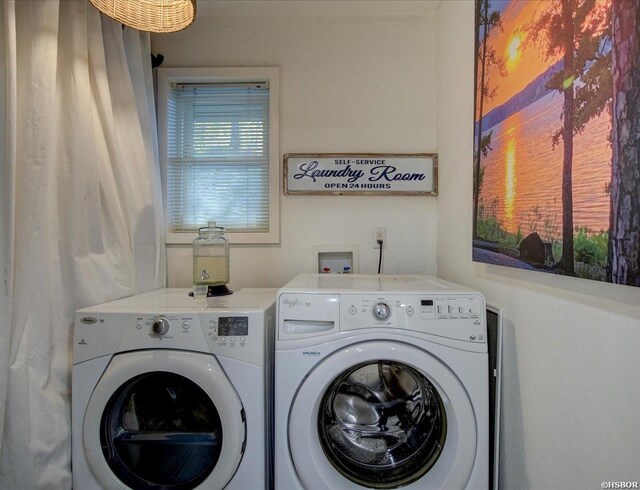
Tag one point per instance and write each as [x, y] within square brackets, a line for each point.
[211, 261]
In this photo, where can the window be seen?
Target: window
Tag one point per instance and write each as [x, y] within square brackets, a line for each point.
[218, 131]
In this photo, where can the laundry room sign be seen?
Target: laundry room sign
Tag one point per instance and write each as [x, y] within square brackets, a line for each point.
[361, 173]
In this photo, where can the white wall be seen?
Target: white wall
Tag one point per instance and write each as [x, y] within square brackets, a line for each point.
[571, 368]
[356, 76]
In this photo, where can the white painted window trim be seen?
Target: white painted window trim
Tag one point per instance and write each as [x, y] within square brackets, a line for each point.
[168, 76]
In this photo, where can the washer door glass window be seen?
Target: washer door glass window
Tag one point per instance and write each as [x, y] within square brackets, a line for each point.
[161, 430]
[382, 424]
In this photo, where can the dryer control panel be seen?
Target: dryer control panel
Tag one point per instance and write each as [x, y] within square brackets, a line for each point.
[454, 317]
[103, 333]
[242, 334]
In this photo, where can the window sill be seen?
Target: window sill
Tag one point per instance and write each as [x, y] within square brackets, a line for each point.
[269, 238]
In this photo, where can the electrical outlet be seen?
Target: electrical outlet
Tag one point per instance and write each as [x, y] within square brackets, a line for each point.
[379, 233]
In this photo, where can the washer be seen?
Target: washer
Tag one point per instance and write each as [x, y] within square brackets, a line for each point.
[380, 382]
[170, 393]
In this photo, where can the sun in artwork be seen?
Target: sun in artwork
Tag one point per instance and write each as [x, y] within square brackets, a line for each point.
[513, 51]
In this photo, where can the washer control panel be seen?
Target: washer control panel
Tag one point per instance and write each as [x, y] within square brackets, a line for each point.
[449, 309]
[456, 317]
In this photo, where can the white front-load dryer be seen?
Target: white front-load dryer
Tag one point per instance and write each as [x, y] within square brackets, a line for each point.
[380, 382]
[168, 393]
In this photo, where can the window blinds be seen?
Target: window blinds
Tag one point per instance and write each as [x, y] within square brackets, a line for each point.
[218, 156]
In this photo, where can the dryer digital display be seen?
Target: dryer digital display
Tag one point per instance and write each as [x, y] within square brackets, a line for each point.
[233, 325]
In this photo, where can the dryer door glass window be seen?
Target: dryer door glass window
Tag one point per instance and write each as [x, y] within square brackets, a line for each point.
[382, 424]
[161, 430]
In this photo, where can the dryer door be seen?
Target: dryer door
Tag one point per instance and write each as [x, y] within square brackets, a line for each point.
[382, 415]
[164, 419]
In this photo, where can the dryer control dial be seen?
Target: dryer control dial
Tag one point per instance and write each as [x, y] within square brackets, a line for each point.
[160, 327]
[381, 311]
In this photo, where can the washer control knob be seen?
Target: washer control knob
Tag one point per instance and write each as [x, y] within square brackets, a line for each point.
[381, 311]
[160, 327]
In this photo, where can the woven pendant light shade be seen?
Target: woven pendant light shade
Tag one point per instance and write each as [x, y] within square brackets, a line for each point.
[150, 15]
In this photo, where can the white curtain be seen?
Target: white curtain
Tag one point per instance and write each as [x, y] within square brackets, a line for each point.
[80, 211]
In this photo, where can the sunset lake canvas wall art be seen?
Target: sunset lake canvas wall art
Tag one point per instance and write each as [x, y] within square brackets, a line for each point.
[556, 185]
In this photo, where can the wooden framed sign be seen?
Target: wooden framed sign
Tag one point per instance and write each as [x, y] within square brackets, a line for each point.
[361, 173]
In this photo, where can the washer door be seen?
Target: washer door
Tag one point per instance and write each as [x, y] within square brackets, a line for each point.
[382, 415]
[164, 419]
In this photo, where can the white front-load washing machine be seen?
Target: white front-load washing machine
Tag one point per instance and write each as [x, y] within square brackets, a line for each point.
[380, 382]
[168, 393]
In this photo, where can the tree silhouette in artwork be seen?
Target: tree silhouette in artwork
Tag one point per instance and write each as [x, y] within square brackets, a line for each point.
[486, 20]
[624, 232]
[577, 30]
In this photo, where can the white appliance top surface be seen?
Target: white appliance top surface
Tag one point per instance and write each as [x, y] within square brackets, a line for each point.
[244, 299]
[178, 300]
[355, 283]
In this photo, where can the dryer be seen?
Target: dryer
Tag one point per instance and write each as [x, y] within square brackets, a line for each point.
[170, 393]
[380, 382]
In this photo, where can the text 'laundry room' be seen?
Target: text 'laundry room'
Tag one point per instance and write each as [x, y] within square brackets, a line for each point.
[319, 244]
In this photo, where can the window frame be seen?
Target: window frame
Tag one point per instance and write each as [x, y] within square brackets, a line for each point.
[169, 76]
